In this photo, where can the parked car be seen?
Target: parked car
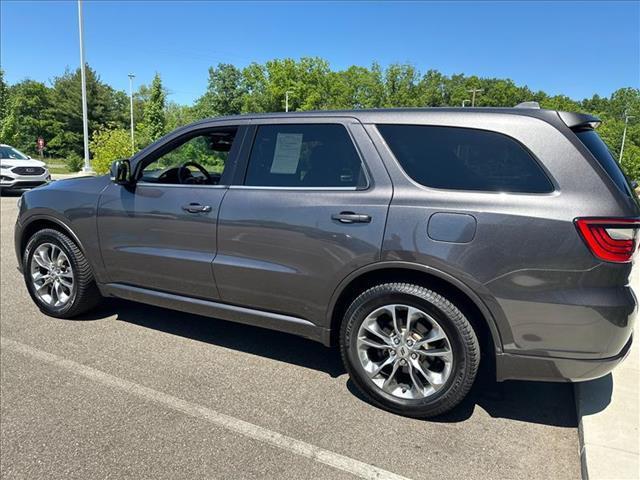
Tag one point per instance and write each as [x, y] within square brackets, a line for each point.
[19, 171]
[419, 241]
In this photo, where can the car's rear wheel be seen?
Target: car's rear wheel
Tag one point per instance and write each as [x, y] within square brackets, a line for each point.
[58, 276]
[409, 349]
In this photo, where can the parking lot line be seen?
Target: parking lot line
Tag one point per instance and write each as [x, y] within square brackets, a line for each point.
[228, 422]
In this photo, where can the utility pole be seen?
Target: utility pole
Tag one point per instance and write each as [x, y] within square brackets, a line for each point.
[464, 102]
[473, 92]
[131, 77]
[85, 118]
[624, 132]
[286, 100]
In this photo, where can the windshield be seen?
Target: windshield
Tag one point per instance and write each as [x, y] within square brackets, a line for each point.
[7, 152]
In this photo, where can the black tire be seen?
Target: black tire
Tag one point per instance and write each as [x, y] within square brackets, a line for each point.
[84, 296]
[462, 338]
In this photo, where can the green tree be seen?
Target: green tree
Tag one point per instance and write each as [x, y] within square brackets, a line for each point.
[179, 115]
[4, 98]
[27, 116]
[109, 144]
[105, 106]
[401, 86]
[225, 92]
[356, 87]
[154, 123]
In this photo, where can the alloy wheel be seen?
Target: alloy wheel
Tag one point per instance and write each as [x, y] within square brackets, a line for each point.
[404, 351]
[52, 276]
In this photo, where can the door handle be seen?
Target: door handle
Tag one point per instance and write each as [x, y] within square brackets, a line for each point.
[196, 208]
[350, 217]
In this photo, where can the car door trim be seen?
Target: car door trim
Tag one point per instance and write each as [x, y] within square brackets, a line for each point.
[222, 311]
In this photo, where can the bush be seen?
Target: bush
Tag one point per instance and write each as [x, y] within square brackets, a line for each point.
[74, 162]
[108, 145]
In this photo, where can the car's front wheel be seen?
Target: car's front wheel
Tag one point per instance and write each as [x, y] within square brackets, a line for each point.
[409, 349]
[58, 275]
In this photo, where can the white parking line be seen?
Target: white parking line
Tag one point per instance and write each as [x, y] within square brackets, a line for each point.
[233, 424]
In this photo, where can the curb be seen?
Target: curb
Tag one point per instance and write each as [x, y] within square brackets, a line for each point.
[608, 411]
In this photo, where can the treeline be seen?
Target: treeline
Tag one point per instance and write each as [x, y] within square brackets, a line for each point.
[30, 109]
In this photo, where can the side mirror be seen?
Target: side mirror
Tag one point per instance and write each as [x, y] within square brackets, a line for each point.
[121, 172]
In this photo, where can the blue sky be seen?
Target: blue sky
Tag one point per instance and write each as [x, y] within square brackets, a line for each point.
[575, 48]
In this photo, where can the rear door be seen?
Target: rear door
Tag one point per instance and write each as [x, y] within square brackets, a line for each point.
[309, 208]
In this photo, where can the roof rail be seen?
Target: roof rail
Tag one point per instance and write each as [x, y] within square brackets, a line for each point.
[535, 105]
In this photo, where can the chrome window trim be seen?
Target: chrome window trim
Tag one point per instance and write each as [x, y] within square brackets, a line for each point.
[329, 189]
[173, 185]
[327, 121]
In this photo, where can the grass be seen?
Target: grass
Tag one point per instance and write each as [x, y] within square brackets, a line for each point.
[56, 165]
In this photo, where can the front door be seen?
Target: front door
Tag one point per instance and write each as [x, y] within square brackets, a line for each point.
[308, 212]
[161, 232]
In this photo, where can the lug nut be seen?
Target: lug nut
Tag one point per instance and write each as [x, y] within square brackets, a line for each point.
[403, 362]
[396, 341]
[410, 342]
[414, 355]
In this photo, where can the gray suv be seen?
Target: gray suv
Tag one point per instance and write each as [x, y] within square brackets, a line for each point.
[418, 241]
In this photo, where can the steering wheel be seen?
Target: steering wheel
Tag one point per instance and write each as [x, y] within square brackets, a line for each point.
[184, 179]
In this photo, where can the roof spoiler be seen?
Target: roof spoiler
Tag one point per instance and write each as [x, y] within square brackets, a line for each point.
[579, 120]
[534, 105]
[571, 119]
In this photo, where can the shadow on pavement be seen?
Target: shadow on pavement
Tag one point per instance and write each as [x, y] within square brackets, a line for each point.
[596, 395]
[534, 402]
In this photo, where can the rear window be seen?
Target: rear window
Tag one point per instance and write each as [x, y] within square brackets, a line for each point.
[599, 150]
[465, 159]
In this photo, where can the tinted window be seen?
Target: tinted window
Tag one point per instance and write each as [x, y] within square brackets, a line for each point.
[599, 149]
[464, 159]
[304, 156]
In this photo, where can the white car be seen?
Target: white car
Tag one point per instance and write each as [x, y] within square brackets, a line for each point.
[19, 171]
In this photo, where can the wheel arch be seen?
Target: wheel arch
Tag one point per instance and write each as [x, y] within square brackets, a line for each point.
[384, 272]
[40, 222]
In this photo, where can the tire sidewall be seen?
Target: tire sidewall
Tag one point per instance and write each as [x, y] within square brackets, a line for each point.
[49, 236]
[353, 321]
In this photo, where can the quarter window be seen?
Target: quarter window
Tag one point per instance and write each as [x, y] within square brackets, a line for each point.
[464, 159]
[311, 156]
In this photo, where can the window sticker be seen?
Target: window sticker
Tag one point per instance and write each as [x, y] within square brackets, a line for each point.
[287, 153]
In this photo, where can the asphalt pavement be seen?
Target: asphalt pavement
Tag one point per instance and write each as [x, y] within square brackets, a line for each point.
[133, 391]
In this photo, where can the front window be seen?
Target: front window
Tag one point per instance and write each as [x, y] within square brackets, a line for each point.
[10, 153]
[198, 160]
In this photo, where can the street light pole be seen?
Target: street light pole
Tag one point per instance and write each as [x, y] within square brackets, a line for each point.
[85, 119]
[624, 132]
[131, 77]
[473, 92]
[286, 100]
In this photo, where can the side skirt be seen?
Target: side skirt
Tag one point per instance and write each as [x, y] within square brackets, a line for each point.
[233, 313]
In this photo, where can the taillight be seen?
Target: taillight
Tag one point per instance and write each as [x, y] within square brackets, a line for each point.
[610, 239]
